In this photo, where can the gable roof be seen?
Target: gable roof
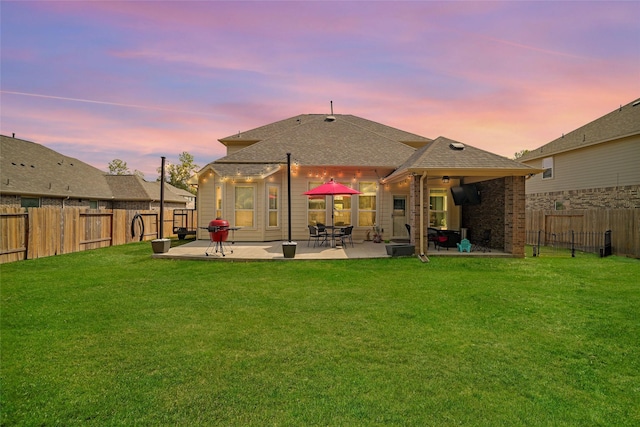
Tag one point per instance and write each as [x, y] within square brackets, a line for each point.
[620, 123]
[32, 169]
[133, 187]
[318, 139]
[444, 156]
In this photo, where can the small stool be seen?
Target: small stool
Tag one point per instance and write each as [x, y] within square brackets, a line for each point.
[464, 245]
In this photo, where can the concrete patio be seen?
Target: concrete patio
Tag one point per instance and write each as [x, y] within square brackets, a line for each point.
[264, 251]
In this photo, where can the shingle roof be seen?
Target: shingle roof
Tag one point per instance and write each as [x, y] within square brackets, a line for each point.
[133, 187]
[622, 122]
[32, 169]
[314, 140]
[448, 157]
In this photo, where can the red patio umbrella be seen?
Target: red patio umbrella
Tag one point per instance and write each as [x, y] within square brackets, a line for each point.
[331, 188]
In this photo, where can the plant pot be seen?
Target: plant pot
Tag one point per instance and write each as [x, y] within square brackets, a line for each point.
[289, 249]
[401, 250]
[160, 246]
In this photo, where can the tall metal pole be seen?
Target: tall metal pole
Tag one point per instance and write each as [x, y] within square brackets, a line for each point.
[289, 192]
[161, 234]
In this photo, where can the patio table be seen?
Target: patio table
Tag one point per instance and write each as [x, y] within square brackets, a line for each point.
[334, 231]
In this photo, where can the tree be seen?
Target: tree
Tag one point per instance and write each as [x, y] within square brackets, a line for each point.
[178, 174]
[519, 154]
[118, 167]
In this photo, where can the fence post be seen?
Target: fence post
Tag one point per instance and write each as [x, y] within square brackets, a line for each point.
[573, 246]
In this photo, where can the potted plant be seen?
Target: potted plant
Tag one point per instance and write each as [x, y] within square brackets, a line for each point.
[160, 246]
[289, 249]
[377, 234]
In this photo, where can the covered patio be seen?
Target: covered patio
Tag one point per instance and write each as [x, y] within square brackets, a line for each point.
[272, 251]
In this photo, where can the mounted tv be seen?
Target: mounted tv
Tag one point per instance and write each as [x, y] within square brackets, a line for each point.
[466, 194]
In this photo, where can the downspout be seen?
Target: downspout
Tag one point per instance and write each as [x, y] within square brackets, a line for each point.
[423, 255]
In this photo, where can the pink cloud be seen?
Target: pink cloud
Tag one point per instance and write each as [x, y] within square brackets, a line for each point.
[174, 76]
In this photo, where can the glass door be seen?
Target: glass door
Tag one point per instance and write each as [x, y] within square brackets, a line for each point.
[438, 208]
[399, 216]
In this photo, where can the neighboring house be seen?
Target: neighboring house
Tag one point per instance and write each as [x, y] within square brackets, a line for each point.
[33, 175]
[189, 197]
[593, 167]
[397, 172]
[591, 181]
[133, 192]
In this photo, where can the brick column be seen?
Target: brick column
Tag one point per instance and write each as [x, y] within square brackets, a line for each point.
[514, 215]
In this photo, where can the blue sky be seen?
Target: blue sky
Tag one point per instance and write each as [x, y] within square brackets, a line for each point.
[140, 80]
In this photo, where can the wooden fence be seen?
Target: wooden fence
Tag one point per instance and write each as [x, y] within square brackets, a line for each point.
[41, 232]
[623, 223]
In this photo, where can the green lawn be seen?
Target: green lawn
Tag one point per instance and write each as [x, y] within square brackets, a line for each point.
[114, 337]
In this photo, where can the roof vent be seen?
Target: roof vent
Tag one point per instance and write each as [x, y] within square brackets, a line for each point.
[458, 146]
[330, 119]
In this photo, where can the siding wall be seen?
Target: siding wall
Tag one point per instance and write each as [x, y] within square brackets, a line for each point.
[607, 165]
[299, 202]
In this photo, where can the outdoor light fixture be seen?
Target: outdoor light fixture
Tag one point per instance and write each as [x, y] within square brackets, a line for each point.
[445, 179]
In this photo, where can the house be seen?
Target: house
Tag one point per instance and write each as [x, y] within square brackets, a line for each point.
[590, 175]
[33, 175]
[403, 179]
[592, 167]
[133, 192]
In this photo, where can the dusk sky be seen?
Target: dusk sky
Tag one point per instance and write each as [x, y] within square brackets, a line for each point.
[141, 80]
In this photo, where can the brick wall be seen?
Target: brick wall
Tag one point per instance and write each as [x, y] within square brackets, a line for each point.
[14, 201]
[626, 197]
[9, 201]
[515, 222]
[488, 215]
[501, 210]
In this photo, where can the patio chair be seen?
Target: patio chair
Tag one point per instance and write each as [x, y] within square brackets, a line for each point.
[346, 235]
[484, 244]
[464, 245]
[314, 235]
[432, 236]
[322, 231]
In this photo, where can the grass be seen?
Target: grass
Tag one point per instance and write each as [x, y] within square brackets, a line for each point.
[113, 337]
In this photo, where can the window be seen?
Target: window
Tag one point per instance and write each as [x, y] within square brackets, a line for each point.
[93, 204]
[273, 210]
[219, 201]
[547, 165]
[317, 207]
[245, 202]
[342, 210]
[367, 204]
[438, 208]
[30, 202]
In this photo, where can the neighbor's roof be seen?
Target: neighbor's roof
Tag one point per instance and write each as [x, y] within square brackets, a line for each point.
[444, 156]
[133, 187]
[620, 123]
[31, 169]
[318, 139]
